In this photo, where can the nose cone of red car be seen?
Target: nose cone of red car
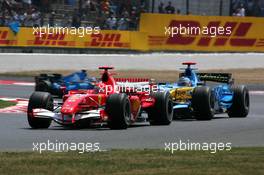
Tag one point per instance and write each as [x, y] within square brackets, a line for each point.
[71, 105]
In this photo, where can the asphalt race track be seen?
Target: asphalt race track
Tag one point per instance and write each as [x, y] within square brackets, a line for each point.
[154, 61]
[15, 133]
[16, 91]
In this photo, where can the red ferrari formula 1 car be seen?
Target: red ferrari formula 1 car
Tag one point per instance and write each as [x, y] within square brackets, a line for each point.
[116, 102]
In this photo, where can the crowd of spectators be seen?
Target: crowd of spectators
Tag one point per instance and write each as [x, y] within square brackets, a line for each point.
[238, 8]
[168, 9]
[247, 8]
[108, 14]
[117, 14]
[22, 12]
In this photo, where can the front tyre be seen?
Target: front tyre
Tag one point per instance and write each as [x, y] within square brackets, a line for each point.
[39, 100]
[162, 112]
[241, 102]
[119, 111]
[203, 103]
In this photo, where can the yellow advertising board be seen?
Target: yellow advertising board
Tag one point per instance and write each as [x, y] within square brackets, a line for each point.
[105, 39]
[203, 33]
[158, 32]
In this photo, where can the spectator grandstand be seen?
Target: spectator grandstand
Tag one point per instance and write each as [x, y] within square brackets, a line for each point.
[247, 8]
[213, 7]
[114, 14]
[108, 14]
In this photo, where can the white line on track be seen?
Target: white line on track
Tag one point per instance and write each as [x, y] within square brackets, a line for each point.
[18, 83]
[257, 92]
[24, 84]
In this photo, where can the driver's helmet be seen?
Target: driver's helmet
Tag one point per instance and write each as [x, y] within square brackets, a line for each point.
[93, 79]
[184, 81]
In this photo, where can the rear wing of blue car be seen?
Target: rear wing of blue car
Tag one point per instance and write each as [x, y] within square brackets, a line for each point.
[216, 77]
[48, 77]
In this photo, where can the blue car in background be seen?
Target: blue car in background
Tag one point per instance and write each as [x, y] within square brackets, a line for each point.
[193, 97]
[56, 84]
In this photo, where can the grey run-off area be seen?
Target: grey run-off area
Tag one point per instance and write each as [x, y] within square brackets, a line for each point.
[12, 62]
[15, 133]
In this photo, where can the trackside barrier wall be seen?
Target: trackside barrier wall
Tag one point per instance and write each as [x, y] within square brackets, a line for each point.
[246, 33]
[106, 39]
[246, 36]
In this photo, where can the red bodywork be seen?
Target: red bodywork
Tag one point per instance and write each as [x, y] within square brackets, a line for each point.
[188, 63]
[78, 101]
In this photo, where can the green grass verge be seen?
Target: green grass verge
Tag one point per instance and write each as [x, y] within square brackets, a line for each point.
[4, 104]
[135, 162]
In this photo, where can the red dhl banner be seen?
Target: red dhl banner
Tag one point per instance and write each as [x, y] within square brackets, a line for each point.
[27, 37]
[203, 33]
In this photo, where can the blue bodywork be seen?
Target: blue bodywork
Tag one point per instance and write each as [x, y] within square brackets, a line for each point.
[223, 93]
[74, 81]
[57, 84]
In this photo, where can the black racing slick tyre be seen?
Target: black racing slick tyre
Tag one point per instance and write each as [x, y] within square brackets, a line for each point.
[39, 100]
[119, 111]
[57, 76]
[43, 75]
[203, 103]
[162, 112]
[240, 104]
[43, 86]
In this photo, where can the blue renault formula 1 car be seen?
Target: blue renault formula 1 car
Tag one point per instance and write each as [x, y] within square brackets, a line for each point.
[192, 97]
[56, 84]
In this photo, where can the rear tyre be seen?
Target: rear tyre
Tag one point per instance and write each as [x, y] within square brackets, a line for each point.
[57, 76]
[241, 102]
[43, 86]
[203, 103]
[39, 100]
[119, 111]
[43, 75]
[162, 112]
